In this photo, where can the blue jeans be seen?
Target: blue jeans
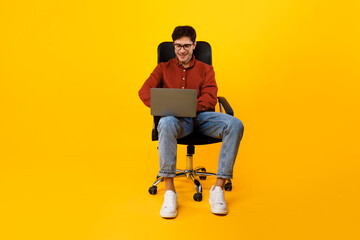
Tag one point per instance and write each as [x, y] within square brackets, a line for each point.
[213, 124]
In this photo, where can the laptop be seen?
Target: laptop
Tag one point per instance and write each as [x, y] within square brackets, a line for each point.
[173, 102]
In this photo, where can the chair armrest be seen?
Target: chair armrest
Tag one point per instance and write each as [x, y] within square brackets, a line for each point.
[223, 103]
[154, 136]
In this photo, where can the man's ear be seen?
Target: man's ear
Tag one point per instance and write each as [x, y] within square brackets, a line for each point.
[195, 44]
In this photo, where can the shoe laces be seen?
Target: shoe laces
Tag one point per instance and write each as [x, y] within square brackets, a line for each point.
[169, 199]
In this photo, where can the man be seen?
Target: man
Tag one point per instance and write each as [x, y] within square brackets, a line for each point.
[186, 72]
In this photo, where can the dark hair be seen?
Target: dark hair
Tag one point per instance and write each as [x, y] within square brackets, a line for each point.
[184, 31]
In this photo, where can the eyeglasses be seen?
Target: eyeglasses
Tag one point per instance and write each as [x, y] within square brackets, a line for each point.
[185, 46]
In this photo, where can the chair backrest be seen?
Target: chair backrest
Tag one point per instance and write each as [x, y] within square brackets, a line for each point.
[202, 52]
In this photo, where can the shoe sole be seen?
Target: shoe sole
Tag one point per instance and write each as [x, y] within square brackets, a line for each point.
[168, 216]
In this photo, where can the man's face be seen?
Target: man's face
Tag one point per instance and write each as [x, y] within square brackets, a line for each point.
[184, 48]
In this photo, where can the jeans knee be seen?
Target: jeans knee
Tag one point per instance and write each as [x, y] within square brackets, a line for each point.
[167, 124]
[237, 125]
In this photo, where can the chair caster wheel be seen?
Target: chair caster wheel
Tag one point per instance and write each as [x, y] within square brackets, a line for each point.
[228, 186]
[153, 190]
[198, 197]
[202, 177]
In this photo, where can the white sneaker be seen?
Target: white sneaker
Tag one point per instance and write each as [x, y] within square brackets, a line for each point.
[217, 201]
[169, 207]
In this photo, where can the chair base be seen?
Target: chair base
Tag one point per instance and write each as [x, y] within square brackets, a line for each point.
[191, 175]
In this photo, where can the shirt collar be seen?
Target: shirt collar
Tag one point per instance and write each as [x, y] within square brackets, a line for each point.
[192, 62]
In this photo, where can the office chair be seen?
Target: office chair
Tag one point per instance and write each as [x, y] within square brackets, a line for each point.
[202, 53]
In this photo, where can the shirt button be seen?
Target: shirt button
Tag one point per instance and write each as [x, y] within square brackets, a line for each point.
[182, 87]
[184, 70]
[183, 78]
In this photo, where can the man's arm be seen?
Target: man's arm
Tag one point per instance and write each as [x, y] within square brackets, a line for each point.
[208, 92]
[153, 81]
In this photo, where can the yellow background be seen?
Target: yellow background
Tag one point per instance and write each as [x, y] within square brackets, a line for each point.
[75, 148]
